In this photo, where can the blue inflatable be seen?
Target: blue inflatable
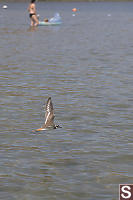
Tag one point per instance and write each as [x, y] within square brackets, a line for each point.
[56, 20]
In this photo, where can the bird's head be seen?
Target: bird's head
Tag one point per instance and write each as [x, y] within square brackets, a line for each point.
[58, 126]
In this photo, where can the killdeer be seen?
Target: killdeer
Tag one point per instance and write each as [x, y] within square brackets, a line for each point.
[49, 117]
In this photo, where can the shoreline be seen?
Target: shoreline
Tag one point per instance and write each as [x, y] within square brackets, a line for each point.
[27, 1]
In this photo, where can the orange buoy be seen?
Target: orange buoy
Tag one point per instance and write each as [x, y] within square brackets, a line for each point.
[74, 9]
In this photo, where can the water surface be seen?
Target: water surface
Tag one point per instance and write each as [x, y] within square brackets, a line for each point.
[85, 65]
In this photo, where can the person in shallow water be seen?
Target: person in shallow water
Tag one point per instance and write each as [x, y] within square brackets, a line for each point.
[32, 13]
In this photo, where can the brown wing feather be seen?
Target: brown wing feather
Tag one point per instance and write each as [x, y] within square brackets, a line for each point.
[49, 114]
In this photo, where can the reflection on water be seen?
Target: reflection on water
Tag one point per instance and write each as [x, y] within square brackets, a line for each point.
[32, 29]
[85, 65]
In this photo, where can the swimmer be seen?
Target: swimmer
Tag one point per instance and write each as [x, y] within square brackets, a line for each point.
[32, 13]
[45, 20]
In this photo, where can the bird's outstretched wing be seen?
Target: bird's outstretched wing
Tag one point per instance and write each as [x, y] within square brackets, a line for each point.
[49, 114]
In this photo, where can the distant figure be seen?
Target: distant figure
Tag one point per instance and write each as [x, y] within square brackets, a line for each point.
[32, 13]
[45, 20]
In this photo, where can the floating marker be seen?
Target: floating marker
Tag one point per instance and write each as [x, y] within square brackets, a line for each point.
[4, 6]
[74, 9]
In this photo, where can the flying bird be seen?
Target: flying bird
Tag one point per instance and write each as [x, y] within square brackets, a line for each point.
[49, 117]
